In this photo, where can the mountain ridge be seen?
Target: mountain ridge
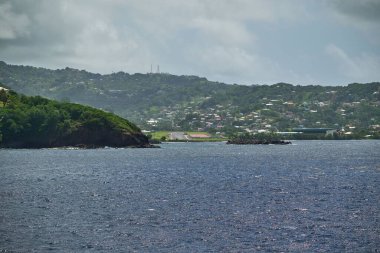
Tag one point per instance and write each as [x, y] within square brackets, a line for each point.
[164, 101]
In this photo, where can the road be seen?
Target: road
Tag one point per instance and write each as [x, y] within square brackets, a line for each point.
[178, 136]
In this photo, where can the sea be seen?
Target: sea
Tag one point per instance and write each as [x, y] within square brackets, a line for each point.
[310, 196]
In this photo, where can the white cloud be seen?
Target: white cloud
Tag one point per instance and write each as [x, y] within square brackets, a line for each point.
[224, 31]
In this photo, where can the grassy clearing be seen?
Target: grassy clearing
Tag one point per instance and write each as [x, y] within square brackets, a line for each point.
[158, 135]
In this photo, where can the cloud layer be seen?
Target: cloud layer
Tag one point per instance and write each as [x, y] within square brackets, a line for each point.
[243, 41]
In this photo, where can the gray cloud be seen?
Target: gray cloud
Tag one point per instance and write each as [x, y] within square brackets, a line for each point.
[12, 24]
[362, 67]
[230, 41]
[367, 10]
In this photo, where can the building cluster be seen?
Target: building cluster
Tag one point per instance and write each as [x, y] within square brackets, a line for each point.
[267, 115]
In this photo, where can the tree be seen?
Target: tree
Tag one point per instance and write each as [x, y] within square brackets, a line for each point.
[3, 96]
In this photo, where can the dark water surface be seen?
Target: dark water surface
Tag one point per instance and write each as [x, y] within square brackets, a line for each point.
[193, 197]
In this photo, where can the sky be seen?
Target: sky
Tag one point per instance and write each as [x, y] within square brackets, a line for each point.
[319, 42]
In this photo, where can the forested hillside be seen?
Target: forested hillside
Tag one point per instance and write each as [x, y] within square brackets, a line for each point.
[162, 101]
[36, 122]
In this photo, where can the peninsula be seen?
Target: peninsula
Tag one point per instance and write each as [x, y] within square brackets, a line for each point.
[36, 122]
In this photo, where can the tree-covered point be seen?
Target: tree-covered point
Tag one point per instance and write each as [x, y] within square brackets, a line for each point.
[36, 122]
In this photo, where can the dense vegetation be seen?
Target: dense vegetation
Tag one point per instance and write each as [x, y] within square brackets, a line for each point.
[258, 138]
[38, 122]
[188, 103]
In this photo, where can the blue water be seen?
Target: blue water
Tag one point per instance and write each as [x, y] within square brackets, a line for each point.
[312, 196]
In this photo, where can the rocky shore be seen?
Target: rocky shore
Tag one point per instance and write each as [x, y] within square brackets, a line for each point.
[87, 139]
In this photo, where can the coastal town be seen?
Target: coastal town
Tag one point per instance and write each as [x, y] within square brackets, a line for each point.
[166, 102]
[272, 115]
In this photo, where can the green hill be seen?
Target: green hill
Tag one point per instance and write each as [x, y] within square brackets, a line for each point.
[170, 102]
[36, 122]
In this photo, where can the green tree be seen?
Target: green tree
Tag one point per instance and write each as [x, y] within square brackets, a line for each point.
[3, 97]
[39, 122]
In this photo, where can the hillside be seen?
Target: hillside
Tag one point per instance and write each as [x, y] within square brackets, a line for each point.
[36, 122]
[169, 102]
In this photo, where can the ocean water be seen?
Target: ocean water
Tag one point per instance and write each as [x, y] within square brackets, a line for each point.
[312, 196]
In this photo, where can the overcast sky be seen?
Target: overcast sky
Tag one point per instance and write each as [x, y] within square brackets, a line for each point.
[326, 42]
